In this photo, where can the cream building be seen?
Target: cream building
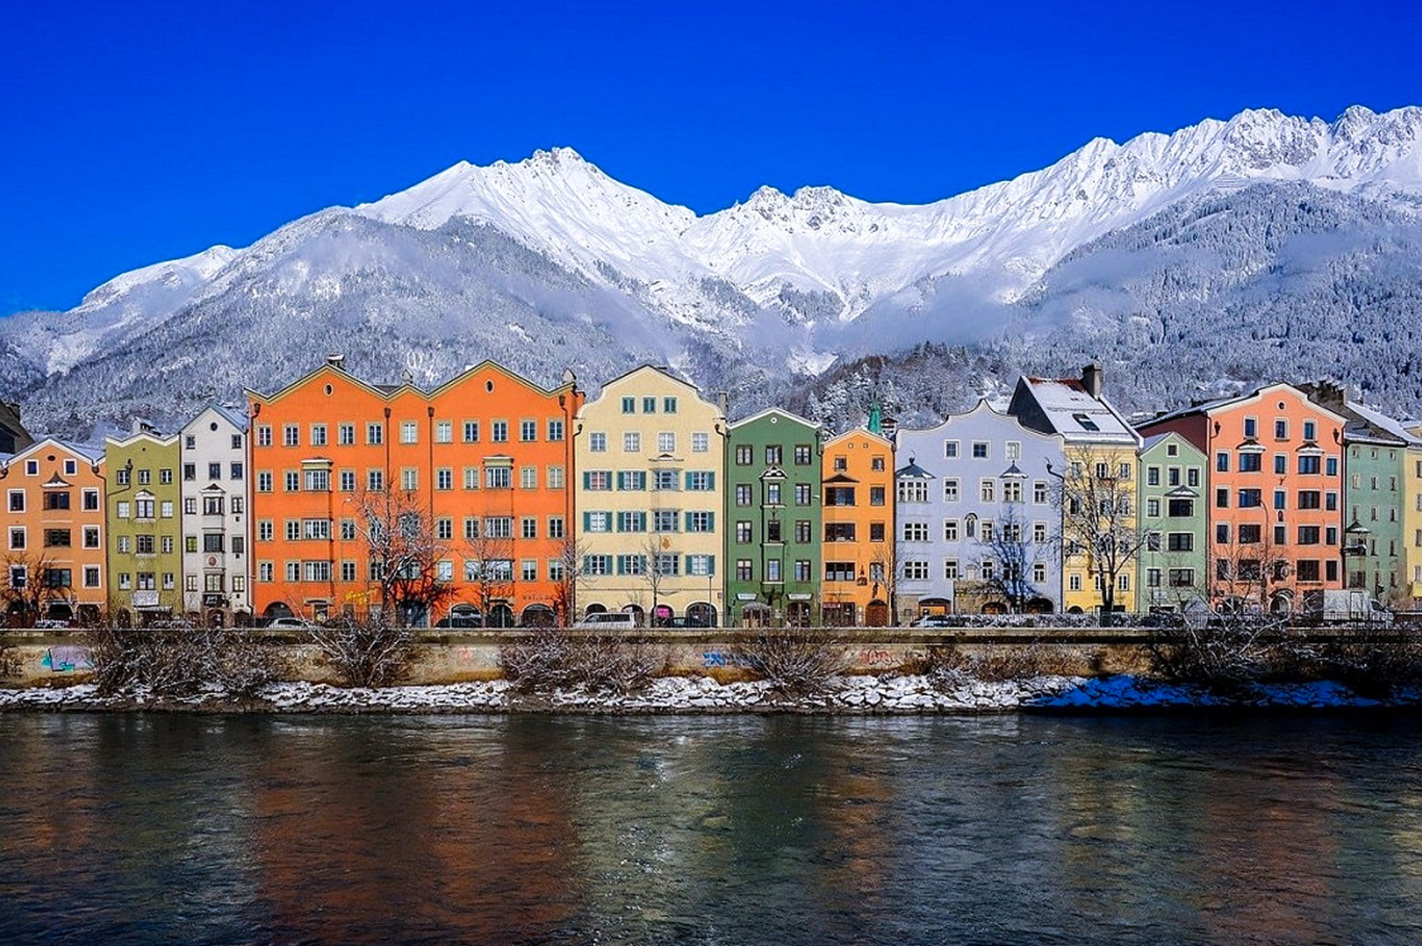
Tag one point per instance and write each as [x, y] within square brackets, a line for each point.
[650, 459]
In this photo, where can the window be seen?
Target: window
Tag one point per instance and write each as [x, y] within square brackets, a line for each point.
[1250, 498]
[804, 494]
[837, 496]
[839, 571]
[374, 433]
[803, 454]
[1182, 577]
[554, 477]
[444, 479]
[212, 541]
[950, 449]
[629, 405]
[409, 431]
[318, 480]
[876, 496]
[668, 405]
[597, 442]
[665, 480]
[950, 569]
[318, 435]
[950, 530]
[597, 480]
[1178, 508]
[1222, 462]
[345, 435]
[980, 450]
[664, 520]
[1012, 491]
[804, 531]
[876, 532]
[913, 491]
[409, 479]
[631, 522]
[291, 435]
[633, 480]
[1152, 476]
[471, 431]
[1039, 533]
[1152, 508]
[772, 494]
[501, 477]
[444, 431]
[1085, 422]
[499, 431]
[1307, 569]
[915, 532]
[839, 532]
[528, 477]
[841, 464]
[987, 490]
[1281, 429]
[700, 442]
[1281, 499]
[527, 431]
[1249, 534]
[1309, 464]
[666, 442]
[916, 570]
[700, 481]
[555, 430]
[500, 527]
[1309, 498]
[631, 442]
[1180, 541]
[1308, 535]
[56, 499]
[745, 454]
[1249, 462]
[375, 480]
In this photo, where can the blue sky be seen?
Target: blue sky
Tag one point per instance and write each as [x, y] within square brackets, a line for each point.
[137, 132]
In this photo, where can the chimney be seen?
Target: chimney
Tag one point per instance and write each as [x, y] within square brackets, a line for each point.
[1091, 379]
[888, 427]
[1327, 394]
[725, 404]
[336, 360]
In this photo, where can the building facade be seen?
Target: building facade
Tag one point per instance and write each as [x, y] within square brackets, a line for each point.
[857, 492]
[476, 470]
[772, 520]
[650, 459]
[144, 503]
[54, 533]
[1097, 488]
[977, 516]
[1275, 494]
[1174, 558]
[216, 525]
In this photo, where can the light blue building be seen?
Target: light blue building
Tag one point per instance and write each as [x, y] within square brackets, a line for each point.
[977, 516]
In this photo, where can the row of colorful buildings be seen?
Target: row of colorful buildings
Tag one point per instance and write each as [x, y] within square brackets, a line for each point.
[534, 505]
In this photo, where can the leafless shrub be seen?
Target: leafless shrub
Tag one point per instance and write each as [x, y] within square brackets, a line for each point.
[1230, 651]
[553, 658]
[1370, 660]
[365, 653]
[948, 667]
[9, 658]
[796, 661]
[181, 661]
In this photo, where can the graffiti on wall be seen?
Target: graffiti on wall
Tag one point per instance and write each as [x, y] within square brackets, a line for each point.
[66, 659]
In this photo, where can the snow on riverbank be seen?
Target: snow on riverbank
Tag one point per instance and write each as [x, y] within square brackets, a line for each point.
[854, 694]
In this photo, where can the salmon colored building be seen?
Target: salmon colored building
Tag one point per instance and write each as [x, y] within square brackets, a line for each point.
[857, 490]
[484, 458]
[1275, 481]
[53, 540]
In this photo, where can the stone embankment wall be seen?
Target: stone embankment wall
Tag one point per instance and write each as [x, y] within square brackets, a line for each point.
[57, 658]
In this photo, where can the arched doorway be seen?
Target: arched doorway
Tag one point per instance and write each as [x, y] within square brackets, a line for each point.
[701, 614]
[1281, 602]
[935, 606]
[993, 607]
[755, 614]
[60, 611]
[537, 615]
[501, 615]
[278, 609]
[876, 614]
[1038, 606]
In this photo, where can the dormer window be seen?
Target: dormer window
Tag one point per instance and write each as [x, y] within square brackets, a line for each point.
[1085, 421]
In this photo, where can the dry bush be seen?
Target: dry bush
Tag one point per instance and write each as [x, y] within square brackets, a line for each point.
[553, 658]
[948, 667]
[366, 653]
[9, 657]
[1371, 661]
[1233, 651]
[795, 661]
[181, 661]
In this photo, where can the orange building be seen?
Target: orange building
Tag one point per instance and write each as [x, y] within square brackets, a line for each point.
[484, 460]
[54, 533]
[1275, 481]
[857, 489]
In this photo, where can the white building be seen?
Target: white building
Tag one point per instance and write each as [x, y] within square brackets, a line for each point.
[216, 526]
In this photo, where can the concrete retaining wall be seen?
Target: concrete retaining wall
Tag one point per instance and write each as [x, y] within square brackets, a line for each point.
[58, 658]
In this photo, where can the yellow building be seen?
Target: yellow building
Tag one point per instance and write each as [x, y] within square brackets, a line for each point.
[1101, 450]
[1412, 520]
[650, 459]
[857, 490]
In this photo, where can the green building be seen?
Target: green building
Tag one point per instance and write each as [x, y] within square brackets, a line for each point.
[1174, 556]
[772, 521]
[143, 518]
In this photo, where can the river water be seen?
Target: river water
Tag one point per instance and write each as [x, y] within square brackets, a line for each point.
[139, 828]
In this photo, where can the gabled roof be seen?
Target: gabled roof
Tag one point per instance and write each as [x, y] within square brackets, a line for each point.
[1209, 407]
[913, 471]
[491, 365]
[88, 452]
[788, 415]
[860, 432]
[984, 406]
[1070, 410]
[1386, 430]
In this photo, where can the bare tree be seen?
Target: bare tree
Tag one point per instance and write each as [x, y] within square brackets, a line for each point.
[26, 591]
[404, 553]
[884, 576]
[655, 571]
[1099, 519]
[565, 591]
[1013, 553]
[488, 564]
[1251, 571]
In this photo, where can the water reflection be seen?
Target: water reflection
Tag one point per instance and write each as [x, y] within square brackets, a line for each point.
[177, 829]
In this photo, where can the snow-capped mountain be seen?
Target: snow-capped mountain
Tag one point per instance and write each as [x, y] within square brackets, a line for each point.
[550, 262]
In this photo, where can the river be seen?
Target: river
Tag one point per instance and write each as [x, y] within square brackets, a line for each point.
[153, 828]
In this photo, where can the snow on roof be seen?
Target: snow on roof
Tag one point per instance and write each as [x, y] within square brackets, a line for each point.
[1076, 415]
[232, 417]
[1394, 429]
